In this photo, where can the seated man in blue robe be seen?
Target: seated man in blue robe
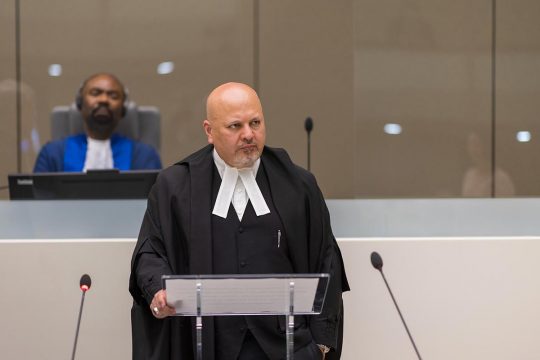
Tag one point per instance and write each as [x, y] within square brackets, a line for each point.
[101, 101]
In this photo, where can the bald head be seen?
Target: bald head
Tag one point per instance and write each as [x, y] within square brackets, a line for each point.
[228, 95]
[235, 124]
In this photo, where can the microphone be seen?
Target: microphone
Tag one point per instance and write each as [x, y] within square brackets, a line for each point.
[377, 262]
[308, 125]
[84, 284]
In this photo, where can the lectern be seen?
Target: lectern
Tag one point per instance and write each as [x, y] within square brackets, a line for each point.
[255, 294]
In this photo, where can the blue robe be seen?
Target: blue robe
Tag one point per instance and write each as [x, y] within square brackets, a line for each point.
[69, 154]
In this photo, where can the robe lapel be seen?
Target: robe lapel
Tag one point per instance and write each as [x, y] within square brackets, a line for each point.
[289, 203]
[75, 153]
[122, 149]
[200, 169]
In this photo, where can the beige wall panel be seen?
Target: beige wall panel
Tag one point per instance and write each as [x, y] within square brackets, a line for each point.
[462, 297]
[8, 105]
[45, 276]
[424, 65]
[306, 70]
[209, 44]
[518, 94]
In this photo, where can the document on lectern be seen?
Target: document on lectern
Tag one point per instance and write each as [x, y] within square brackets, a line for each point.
[267, 294]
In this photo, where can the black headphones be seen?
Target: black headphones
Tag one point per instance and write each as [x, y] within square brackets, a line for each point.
[79, 96]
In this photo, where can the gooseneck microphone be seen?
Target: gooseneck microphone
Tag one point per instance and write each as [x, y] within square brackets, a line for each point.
[308, 125]
[377, 262]
[85, 284]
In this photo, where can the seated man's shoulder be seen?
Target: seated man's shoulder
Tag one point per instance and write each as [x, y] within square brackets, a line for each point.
[142, 146]
[54, 145]
[145, 156]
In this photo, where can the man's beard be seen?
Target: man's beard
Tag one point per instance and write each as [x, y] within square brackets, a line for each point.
[101, 122]
[243, 160]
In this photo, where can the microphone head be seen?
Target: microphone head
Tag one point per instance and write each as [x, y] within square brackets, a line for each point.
[308, 124]
[376, 260]
[85, 282]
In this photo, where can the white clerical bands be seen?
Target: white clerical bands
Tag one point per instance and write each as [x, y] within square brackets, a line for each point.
[226, 191]
[156, 310]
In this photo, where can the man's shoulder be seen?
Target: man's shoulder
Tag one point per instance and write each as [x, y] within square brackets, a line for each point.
[182, 167]
[54, 144]
[51, 151]
[174, 171]
[280, 157]
[58, 144]
[140, 146]
[197, 157]
[277, 156]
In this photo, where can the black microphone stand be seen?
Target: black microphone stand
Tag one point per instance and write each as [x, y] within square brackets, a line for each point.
[401, 316]
[308, 125]
[309, 151]
[78, 326]
[85, 284]
[377, 263]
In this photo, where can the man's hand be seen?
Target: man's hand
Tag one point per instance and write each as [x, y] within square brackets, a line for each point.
[159, 307]
[324, 350]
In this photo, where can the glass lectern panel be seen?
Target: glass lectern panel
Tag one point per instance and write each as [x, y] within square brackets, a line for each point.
[261, 294]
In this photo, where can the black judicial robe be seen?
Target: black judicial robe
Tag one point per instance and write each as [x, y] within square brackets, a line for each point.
[176, 238]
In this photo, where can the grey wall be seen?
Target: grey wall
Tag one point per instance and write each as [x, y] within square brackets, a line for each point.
[350, 218]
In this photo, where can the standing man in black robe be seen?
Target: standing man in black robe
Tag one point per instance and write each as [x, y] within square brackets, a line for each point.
[234, 207]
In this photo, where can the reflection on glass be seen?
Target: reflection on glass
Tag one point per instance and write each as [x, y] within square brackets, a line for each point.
[477, 181]
[55, 70]
[30, 142]
[523, 136]
[392, 129]
[165, 68]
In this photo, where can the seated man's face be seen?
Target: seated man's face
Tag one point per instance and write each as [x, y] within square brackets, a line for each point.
[101, 108]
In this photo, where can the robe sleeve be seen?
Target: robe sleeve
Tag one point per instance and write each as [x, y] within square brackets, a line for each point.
[153, 256]
[326, 328]
[149, 260]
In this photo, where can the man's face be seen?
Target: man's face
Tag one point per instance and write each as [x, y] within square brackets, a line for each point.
[101, 108]
[236, 127]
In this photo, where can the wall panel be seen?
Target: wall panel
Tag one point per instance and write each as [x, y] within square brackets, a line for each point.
[8, 86]
[517, 95]
[424, 65]
[306, 70]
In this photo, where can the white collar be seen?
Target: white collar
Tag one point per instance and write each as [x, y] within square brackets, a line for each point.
[229, 176]
[98, 154]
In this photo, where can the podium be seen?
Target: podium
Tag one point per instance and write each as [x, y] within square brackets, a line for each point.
[254, 294]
